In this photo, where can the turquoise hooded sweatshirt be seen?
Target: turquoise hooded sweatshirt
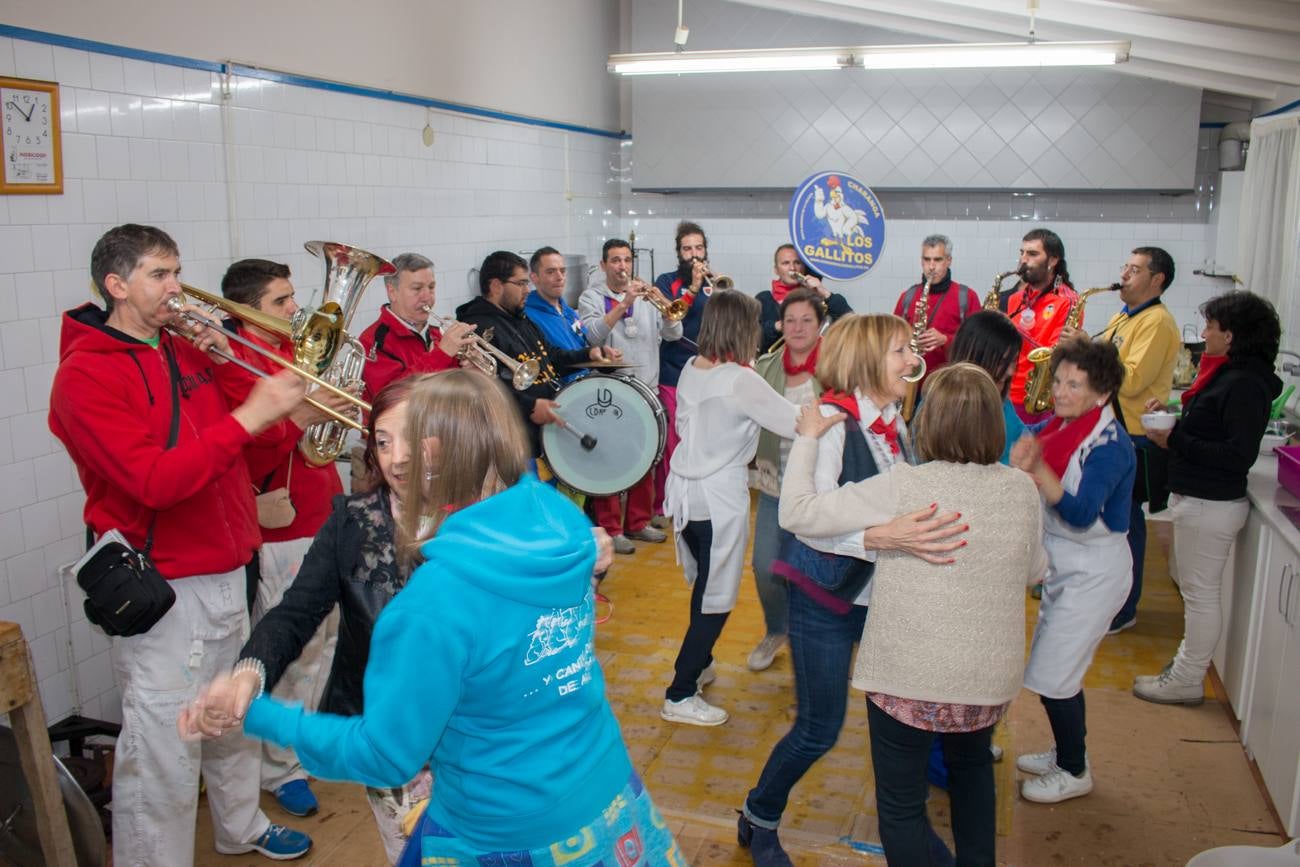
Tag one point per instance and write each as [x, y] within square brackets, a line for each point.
[483, 667]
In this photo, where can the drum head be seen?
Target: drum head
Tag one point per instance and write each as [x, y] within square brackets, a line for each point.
[628, 423]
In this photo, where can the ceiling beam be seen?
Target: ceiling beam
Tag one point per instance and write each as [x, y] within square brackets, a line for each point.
[1272, 15]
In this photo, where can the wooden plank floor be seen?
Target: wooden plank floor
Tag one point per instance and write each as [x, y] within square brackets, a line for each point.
[1170, 781]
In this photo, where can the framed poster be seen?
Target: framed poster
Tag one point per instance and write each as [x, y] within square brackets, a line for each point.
[29, 134]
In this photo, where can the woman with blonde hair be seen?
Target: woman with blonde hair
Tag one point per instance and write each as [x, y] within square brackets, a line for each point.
[860, 368]
[721, 405]
[943, 649]
[485, 666]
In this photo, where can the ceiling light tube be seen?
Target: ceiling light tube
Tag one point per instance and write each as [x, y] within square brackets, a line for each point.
[770, 60]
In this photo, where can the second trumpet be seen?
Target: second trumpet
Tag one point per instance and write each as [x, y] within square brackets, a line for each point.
[484, 357]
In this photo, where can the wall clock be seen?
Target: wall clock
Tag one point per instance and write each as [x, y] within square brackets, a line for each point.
[29, 135]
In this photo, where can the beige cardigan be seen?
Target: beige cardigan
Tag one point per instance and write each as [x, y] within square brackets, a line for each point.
[952, 634]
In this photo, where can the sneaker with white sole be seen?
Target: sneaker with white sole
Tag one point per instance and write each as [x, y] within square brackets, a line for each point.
[1165, 689]
[760, 658]
[693, 711]
[996, 752]
[1056, 786]
[623, 545]
[1037, 763]
[1116, 627]
[706, 677]
[648, 534]
[1152, 678]
[277, 843]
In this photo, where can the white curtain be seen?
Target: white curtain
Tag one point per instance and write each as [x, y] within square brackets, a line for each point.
[1269, 234]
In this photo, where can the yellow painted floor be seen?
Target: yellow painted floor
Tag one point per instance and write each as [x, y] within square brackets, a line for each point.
[1170, 781]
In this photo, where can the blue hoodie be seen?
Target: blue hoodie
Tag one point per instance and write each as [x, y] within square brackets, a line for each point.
[484, 667]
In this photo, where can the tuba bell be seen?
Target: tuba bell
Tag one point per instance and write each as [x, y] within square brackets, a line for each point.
[322, 334]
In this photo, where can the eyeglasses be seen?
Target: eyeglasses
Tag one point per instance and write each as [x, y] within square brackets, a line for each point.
[1133, 269]
[522, 284]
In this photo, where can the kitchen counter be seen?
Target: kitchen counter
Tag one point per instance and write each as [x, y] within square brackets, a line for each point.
[1267, 496]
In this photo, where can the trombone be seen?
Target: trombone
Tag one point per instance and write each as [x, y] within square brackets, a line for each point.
[276, 326]
[483, 356]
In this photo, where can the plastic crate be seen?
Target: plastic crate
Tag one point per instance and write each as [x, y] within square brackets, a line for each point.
[1288, 468]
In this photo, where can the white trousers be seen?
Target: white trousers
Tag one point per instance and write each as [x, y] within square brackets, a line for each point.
[1204, 531]
[155, 773]
[304, 679]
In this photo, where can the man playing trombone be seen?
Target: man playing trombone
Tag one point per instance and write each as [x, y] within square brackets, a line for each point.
[160, 455]
[791, 273]
[619, 313]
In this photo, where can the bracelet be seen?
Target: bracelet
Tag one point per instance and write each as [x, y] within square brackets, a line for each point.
[248, 663]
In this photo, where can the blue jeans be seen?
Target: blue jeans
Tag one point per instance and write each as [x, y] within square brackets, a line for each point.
[1137, 544]
[821, 648]
[768, 539]
[899, 754]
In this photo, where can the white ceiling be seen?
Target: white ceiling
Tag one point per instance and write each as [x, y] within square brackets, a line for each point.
[1247, 48]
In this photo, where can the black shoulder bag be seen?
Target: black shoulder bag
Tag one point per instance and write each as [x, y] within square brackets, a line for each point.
[125, 593]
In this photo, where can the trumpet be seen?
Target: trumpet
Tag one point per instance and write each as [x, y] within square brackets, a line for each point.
[484, 357]
[802, 279]
[274, 325]
[673, 311]
[714, 281]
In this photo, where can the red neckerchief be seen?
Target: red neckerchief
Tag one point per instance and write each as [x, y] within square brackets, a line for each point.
[1060, 442]
[780, 290]
[809, 364]
[1210, 365]
[887, 430]
[843, 401]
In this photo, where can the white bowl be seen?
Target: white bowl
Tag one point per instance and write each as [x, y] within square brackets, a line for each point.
[1158, 420]
[1270, 442]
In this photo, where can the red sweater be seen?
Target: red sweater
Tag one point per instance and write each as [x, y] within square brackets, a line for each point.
[944, 314]
[311, 488]
[400, 353]
[1040, 319]
[111, 407]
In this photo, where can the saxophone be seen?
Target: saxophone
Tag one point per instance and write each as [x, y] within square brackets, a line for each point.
[1038, 385]
[920, 312]
[993, 300]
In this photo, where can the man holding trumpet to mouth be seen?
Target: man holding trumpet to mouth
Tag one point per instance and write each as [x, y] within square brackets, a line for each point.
[791, 273]
[622, 315]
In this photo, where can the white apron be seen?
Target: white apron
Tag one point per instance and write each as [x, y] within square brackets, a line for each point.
[727, 493]
[1089, 577]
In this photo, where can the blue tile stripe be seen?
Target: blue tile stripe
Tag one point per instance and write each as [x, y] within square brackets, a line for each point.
[298, 80]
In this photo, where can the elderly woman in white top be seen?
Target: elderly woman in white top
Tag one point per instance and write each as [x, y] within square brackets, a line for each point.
[721, 404]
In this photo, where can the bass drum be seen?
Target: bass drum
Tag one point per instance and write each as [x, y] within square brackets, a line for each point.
[630, 427]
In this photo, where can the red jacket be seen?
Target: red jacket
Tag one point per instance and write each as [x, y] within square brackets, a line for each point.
[943, 313]
[111, 407]
[394, 351]
[1040, 319]
[311, 488]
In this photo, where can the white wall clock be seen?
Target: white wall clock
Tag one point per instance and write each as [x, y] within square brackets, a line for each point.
[29, 134]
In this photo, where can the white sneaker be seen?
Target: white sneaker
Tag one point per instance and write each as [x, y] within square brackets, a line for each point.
[706, 677]
[623, 545]
[996, 752]
[1164, 689]
[1057, 786]
[693, 711]
[761, 657]
[1037, 763]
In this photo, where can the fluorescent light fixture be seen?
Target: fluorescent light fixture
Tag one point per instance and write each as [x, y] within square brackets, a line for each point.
[765, 60]
[940, 56]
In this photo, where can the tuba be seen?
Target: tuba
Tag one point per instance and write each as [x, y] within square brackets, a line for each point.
[348, 270]
[1038, 384]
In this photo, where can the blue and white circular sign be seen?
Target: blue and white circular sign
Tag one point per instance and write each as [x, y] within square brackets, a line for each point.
[837, 225]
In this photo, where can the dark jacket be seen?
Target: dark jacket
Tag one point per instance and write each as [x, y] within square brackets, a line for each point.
[673, 356]
[1215, 443]
[353, 564]
[517, 335]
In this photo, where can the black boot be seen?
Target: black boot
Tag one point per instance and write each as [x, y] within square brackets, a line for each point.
[763, 844]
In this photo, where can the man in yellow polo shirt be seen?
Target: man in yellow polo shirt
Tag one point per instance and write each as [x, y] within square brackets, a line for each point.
[1148, 340]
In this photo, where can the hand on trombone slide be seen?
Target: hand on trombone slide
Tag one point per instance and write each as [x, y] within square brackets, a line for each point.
[205, 338]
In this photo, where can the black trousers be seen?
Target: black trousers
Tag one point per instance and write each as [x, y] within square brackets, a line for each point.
[1068, 718]
[702, 633]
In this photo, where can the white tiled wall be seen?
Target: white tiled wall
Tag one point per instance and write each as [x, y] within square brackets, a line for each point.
[279, 166]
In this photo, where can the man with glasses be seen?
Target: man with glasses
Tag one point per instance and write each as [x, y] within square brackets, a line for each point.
[1148, 340]
[499, 314]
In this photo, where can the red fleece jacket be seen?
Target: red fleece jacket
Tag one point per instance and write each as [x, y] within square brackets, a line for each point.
[111, 407]
[399, 354]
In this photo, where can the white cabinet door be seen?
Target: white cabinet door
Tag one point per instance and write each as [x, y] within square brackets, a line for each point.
[1243, 580]
[1270, 645]
[1283, 768]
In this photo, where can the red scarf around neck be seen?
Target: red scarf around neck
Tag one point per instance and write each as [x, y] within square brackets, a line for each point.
[1059, 440]
[1210, 365]
[809, 365]
[780, 290]
[843, 401]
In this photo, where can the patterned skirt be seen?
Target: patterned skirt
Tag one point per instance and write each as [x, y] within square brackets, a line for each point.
[629, 832]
